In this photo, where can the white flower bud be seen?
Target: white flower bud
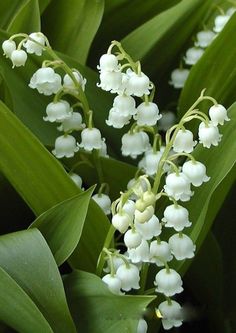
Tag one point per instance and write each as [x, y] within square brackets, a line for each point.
[195, 172]
[58, 111]
[8, 47]
[110, 81]
[76, 179]
[193, 55]
[208, 135]
[184, 142]
[125, 105]
[103, 201]
[72, 123]
[176, 217]
[129, 277]
[142, 217]
[168, 282]
[65, 146]
[204, 38]
[179, 77]
[117, 119]
[138, 84]
[178, 187]
[134, 144]
[149, 229]
[108, 62]
[167, 120]
[32, 47]
[121, 221]
[18, 58]
[46, 81]
[160, 253]
[91, 139]
[142, 326]
[182, 246]
[68, 83]
[113, 283]
[147, 114]
[171, 313]
[218, 114]
[132, 239]
[220, 22]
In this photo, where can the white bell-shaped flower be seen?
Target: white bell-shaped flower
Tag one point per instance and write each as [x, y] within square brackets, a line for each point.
[193, 55]
[160, 253]
[167, 120]
[178, 187]
[103, 201]
[76, 179]
[179, 77]
[182, 246]
[209, 135]
[230, 11]
[46, 81]
[137, 84]
[171, 314]
[220, 22]
[168, 282]
[195, 172]
[113, 283]
[142, 217]
[218, 114]
[150, 162]
[134, 144]
[108, 62]
[8, 47]
[204, 38]
[68, 82]
[129, 208]
[18, 58]
[142, 326]
[147, 114]
[116, 263]
[72, 123]
[103, 149]
[184, 142]
[121, 221]
[176, 217]
[110, 81]
[132, 238]
[91, 139]
[65, 146]
[125, 105]
[58, 111]
[149, 229]
[129, 276]
[117, 119]
[139, 254]
[32, 47]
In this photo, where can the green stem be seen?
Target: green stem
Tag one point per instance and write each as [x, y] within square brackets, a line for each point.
[107, 242]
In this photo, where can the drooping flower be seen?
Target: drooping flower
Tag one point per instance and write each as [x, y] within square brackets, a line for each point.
[204, 38]
[103, 201]
[46, 81]
[91, 139]
[76, 179]
[32, 47]
[65, 146]
[176, 217]
[179, 77]
[195, 172]
[182, 246]
[134, 144]
[147, 114]
[58, 111]
[18, 58]
[184, 142]
[193, 55]
[160, 253]
[218, 114]
[69, 84]
[168, 282]
[171, 314]
[208, 135]
[113, 283]
[137, 84]
[129, 276]
[108, 62]
[220, 22]
[178, 186]
[8, 47]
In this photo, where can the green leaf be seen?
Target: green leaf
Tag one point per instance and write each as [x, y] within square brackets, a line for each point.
[164, 35]
[43, 5]
[75, 24]
[215, 71]
[108, 312]
[31, 271]
[62, 225]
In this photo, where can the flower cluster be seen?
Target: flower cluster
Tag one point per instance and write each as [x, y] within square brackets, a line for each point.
[202, 40]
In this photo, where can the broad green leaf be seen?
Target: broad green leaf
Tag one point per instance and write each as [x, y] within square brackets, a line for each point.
[89, 298]
[215, 71]
[75, 24]
[62, 225]
[26, 258]
[164, 35]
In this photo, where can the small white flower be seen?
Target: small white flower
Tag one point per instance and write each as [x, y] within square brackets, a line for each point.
[103, 149]
[139, 186]
[137, 84]
[195, 172]
[72, 123]
[142, 326]
[32, 47]
[147, 114]
[208, 135]
[58, 111]
[193, 55]
[103, 201]
[218, 114]
[116, 262]
[142, 217]
[18, 58]
[129, 208]
[108, 62]
[167, 120]
[65, 146]
[150, 162]
[68, 83]
[46, 81]
[121, 221]
[8, 47]
[204, 38]
[91, 139]
[171, 313]
[149, 229]
[134, 144]
[179, 77]
[110, 81]
[178, 187]
[132, 239]
[76, 179]
[182, 246]
[113, 283]
[176, 217]
[139, 254]
[168, 282]
[125, 105]
[231, 11]
[184, 142]
[220, 22]
[117, 119]
[129, 276]
[160, 253]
